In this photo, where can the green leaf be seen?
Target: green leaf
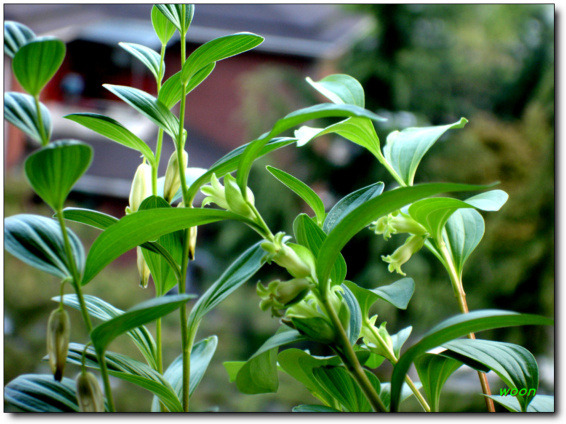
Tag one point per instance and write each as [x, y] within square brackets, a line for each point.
[37, 241]
[405, 149]
[452, 328]
[53, 170]
[368, 212]
[127, 233]
[399, 339]
[148, 106]
[490, 201]
[113, 130]
[433, 213]
[164, 28]
[433, 372]
[149, 57]
[164, 269]
[130, 370]
[171, 92]
[406, 393]
[41, 393]
[464, 231]
[201, 355]
[514, 364]
[314, 408]
[397, 294]
[16, 35]
[140, 314]
[104, 311]
[230, 161]
[540, 403]
[302, 190]
[311, 236]
[180, 15]
[37, 61]
[325, 110]
[218, 49]
[232, 368]
[90, 217]
[20, 110]
[259, 373]
[241, 270]
[355, 315]
[350, 202]
[340, 89]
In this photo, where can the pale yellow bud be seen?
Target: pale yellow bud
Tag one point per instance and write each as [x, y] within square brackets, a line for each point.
[192, 242]
[143, 269]
[141, 187]
[58, 334]
[89, 394]
[172, 175]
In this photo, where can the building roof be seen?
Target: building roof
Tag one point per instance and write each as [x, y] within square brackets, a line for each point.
[309, 30]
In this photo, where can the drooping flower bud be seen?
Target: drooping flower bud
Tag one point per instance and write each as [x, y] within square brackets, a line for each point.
[296, 259]
[381, 344]
[141, 187]
[192, 242]
[89, 394]
[396, 223]
[229, 196]
[58, 335]
[215, 193]
[308, 319]
[172, 178]
[143, 269]
[279, 295]
[403, 253]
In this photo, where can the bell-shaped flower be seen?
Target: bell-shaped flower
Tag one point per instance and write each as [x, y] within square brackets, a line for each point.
[279, 295]
[141, 187]
[296, 259]
[58, 335]
[403, 253]
[397, 223]
[229, 196]
[89, 393]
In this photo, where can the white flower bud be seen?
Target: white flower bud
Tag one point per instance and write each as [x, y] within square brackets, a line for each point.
[143, 269]
[172, 178]
[141, 187]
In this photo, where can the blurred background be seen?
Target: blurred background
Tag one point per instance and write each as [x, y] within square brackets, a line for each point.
[419, 64]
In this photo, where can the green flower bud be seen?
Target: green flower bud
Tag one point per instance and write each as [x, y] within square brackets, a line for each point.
[236, 201]
[192, 242]
[383, 347]
[279, 295]
[215, 193]
[89, 394]
[143, 269]
[141, 187]
[58, 334]
[296, 259]
[172, 178]
[396, 223]
[412, 245]
[308, 318]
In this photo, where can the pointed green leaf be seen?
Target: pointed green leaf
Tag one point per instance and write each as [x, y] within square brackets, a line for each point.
[340, 89]
[397, 294]
[53, 170]
[149, 57]
[464, 231]
[104, 311]
[433, 372]
[399, 339]
[452, 328]
[355, 325]
[140, 314]
[20, 110]
[368, 212]
[148, 106]
[405, 149]
[201, 355]
[164, 28]
[302, 190]
[37, 61]
[350, 202]
[37, 241]
[130, 370]
[15, 36]
[113, 130]
[171, 92]
[490, 201]
[218, 49]
[180, 15]
[540, 403]
[90, 217]
[514, 364]
[311, 236]
[325, 110]
[314, 408]
[127, 234]
[241, 270]
[41, 393]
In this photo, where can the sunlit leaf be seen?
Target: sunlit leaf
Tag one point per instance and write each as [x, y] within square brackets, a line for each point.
[464, 231]
[53, 170]
[340, 89]
[15, 36]
[164, 28]
[149, 57]
[20, 110]
[397, 294]
[490, 201]
[433, 213]
[540, 403]
[180, 15]
[171, 92]
[37, 61]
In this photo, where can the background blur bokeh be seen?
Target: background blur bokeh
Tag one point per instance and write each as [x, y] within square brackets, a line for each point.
[419, 64]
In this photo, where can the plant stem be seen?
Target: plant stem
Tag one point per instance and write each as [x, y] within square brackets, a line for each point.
[350, 360]
[77, 286]
[458, 287]
[393, 359]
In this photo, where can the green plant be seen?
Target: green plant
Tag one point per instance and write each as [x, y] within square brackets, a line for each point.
[316, 303]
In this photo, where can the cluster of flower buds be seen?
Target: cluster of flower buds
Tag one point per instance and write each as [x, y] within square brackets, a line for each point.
[309, 318]
[58, 335]
[296, 259]
[229, 196]
[172, 175]
[279, 295]
[89, 394]
[397, 223]
[373, 342]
